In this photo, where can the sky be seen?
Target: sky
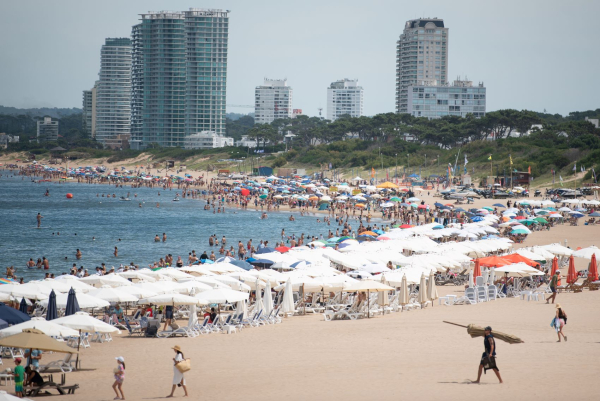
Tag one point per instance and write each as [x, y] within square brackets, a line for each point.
[530, 54]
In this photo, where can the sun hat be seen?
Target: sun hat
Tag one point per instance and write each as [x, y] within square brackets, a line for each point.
[487, 328]
[176, 348]
[120, 359]
[557, 306]
[18, 360]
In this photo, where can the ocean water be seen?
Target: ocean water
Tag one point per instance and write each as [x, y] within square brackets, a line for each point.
[71, 224]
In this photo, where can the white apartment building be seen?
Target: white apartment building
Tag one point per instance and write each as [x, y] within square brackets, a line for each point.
[421, 55]
[206, 140]
[431, 100]
[344, 97]
[273, 100]
[246, 142]
[47, 130]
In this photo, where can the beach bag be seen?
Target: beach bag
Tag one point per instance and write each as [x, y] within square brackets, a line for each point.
[174, 326]
[184, 365]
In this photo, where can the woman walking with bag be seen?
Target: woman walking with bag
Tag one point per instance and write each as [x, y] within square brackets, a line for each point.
[178, 378]
[559, 322]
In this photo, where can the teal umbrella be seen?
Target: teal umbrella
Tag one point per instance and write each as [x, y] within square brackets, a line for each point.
[519, 231]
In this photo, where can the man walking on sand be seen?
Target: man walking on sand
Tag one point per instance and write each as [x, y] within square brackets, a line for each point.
[554, 286]
[488, 358]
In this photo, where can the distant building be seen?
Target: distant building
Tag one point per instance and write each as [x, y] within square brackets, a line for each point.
[89, 104]
[206, 140]
[344, 97]
[118, 142]
[246, 142]
[594, 121]
[421, 55]
[6, 139]
[179, 76]
[273, 100]
[47, 130]
[113, 94]
[428, 99]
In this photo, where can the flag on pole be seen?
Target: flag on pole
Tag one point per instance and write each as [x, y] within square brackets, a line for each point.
[372, 172]
[490, 158]
[561, 180]
[529, 169]
[510, 156]
[582, 169]
[466, 161]
[575, 167]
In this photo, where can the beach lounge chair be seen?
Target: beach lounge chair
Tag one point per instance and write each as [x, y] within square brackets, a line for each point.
[187, 331]
[214, 326]
[492, 292]
[133, 330]
[203, 327]
[482, 295]
[65, 365]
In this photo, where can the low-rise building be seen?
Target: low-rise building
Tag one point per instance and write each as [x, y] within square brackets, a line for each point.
[432, 100]
[206, 140]
[6, 139]
[47, 130]
[246, 142]
[594, 121]
[120, 142]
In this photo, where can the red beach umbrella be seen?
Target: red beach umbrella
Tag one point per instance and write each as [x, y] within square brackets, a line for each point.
[572, 274]
[554, 269]
[282, 249]
[476, 271]
[593, 271]
[245, 192]
[406, 226]
[520, 218]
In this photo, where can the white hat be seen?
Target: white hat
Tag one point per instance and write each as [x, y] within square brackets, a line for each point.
[120, 359]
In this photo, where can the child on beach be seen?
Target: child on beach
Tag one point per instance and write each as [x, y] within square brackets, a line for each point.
[119, 372]
[19, 373]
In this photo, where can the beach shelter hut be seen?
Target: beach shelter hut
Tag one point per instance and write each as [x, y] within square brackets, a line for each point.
[572, 273]
[476, 272]
[51, 312]
[432, 293]
[287, 304]
[49, 328]
[593, 270]
[23, 306]
[72, 306]
[12, 315]
[422, 298]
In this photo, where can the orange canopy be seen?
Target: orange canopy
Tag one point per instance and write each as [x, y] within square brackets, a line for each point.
[476, 272]
[593, 270]
[387, 184]
[572, 274]
[494, 261]
[554, 269]
[516, 258]
[369, 233]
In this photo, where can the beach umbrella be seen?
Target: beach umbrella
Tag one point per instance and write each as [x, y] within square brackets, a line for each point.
[287, 303]
[282, 249]
[140, 292]
[48, 327]
[85, 323]
[110, 294]
[51, 312]
[263, 263]
[258, 304]
[84, 301]
[172, 299]
[56, 285]
[478, 331]
[23, 306]
[241, 308]
[12, 315]
[3, 324]
[132, 274]
[32, 290]
[74, 283]
[403, 296]
[36, 339]
[498, 205]
[432, 293]
[193, 319]
[587, 253]
[572, 273]
[492, 276]
[422, 298]
[593, 269]
[470, 277]
[72, 306]
[382, 296]
[268, 299]
[111, 280]
[554, 267]
[476, 272]
[222, 296]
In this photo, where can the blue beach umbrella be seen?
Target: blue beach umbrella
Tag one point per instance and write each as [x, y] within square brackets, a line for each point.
[266, 249]
[51, 312]
[12, 315]
[498, 205]
[72, 304]
[23, 306]
[3, 324]
[478, 219]
[242, 263]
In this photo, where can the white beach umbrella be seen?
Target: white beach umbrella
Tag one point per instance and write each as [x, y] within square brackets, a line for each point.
[211, 282]
[233, 283]
[222, 295]
[193, 319]
[403, 296]
[287, 304]
[382, 297]
[85, 301]
[492, 277]
[268, 302]
[258, 304]
[242, 307]
[176, 274]
[375, 268]
[139, 292]
[194, 286]
[484, 275]
[48, 327]
[57, 286]
[470, 278]
[558, 249]
[172, 299]
[5, 297]
[31, 290]
[136, 275]
[587, 253]
[423, 290]
[432, 293]
[86, 323]
[110, 294]
[111, 280]
[153, 287]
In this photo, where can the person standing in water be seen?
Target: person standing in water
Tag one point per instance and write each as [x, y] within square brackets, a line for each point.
[39, 220]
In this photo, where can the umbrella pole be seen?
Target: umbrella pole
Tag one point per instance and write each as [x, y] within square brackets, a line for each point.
[368, 304]
[78, 344]
[456, 324]
[303, 299]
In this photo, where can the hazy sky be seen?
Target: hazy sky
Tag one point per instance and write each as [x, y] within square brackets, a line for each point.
[531, 54]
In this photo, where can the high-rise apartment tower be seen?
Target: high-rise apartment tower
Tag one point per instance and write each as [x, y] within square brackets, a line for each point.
[344, 97]
[179, 76]
[273, 100]
[113, 91]
[421, 57]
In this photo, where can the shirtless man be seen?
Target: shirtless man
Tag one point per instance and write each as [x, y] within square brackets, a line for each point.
[39, 220]
[78, 254]
[45, 263]
[164, 239]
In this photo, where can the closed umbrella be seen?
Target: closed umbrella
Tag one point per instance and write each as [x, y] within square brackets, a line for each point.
[287, 304]
[572, 273]
[48, 327]
[36, 339]
[423, 290]
[432, 293]
[382, 297]
[593, 270]
[485, 274]
[72, 306]
[23, 306]
[12, 315]
[492, 277]
[403, 296]
[258, 304]
[268, 299]
[476, 272]
[241, 308]
[471, 278]
[478, 331]
[51, 312]
[555, 269]
[193, 320]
